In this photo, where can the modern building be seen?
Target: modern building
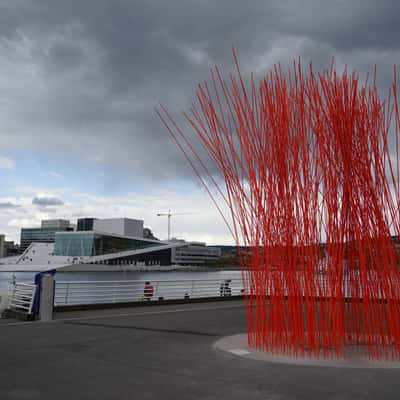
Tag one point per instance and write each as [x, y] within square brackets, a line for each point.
[41, 235]
[115, 243]
[12, 249]
[2, 246]
[111, 248]
[120, 226]
[55, 223]
[194, 253]
[46, 234]
[85, 224]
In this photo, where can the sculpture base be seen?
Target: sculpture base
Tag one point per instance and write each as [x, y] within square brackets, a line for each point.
[356, 356]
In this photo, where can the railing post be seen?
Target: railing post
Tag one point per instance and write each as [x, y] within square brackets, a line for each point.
[66, 293]
[114, 292]
[46, 298]
[156, 290]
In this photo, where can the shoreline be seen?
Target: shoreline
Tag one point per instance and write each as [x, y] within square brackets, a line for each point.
[120, 268]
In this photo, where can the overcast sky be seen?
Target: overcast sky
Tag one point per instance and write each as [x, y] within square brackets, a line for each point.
[79, 80]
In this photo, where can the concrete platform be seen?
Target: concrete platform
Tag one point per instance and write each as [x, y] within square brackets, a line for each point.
[356, 356]
[164, 352]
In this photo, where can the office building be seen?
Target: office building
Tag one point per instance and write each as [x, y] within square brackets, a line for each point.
[55, 223]
[194, 253]
[41, 235]
[11, 248]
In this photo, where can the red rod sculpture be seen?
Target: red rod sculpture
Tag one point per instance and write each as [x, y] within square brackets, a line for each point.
[310, 169]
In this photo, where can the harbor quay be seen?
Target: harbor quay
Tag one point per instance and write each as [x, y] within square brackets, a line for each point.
[163, 352]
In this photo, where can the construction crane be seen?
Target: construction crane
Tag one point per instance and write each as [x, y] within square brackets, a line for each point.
[169, 214]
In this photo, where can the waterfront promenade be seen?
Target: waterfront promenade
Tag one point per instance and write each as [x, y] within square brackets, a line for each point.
[162, 352]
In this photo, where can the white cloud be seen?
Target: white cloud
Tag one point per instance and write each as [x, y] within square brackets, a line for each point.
[202, 224]
[55, 174]
[6, 163]
[23, 223]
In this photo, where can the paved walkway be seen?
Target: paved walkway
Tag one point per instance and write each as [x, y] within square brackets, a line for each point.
[162, 353]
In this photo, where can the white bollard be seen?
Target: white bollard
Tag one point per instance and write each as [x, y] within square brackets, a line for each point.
[46, 298]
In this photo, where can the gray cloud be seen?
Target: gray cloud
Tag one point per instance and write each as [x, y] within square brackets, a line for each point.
[84, 75]
[47, 201]
[8, 205]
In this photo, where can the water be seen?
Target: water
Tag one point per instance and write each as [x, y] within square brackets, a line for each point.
[28, 277]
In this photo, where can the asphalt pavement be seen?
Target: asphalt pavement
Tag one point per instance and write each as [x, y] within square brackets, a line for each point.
[163, 352]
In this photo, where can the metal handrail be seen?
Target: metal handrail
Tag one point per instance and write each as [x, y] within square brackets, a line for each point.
[87, 292]
[156, 280]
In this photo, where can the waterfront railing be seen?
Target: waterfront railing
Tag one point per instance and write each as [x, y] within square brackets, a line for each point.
[124, 291]
[22, 298]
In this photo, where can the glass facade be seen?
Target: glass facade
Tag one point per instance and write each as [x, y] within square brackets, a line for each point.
[43, 235]
[94, 244]
[85, 224]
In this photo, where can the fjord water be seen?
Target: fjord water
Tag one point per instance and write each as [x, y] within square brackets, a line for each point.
[28, 277]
